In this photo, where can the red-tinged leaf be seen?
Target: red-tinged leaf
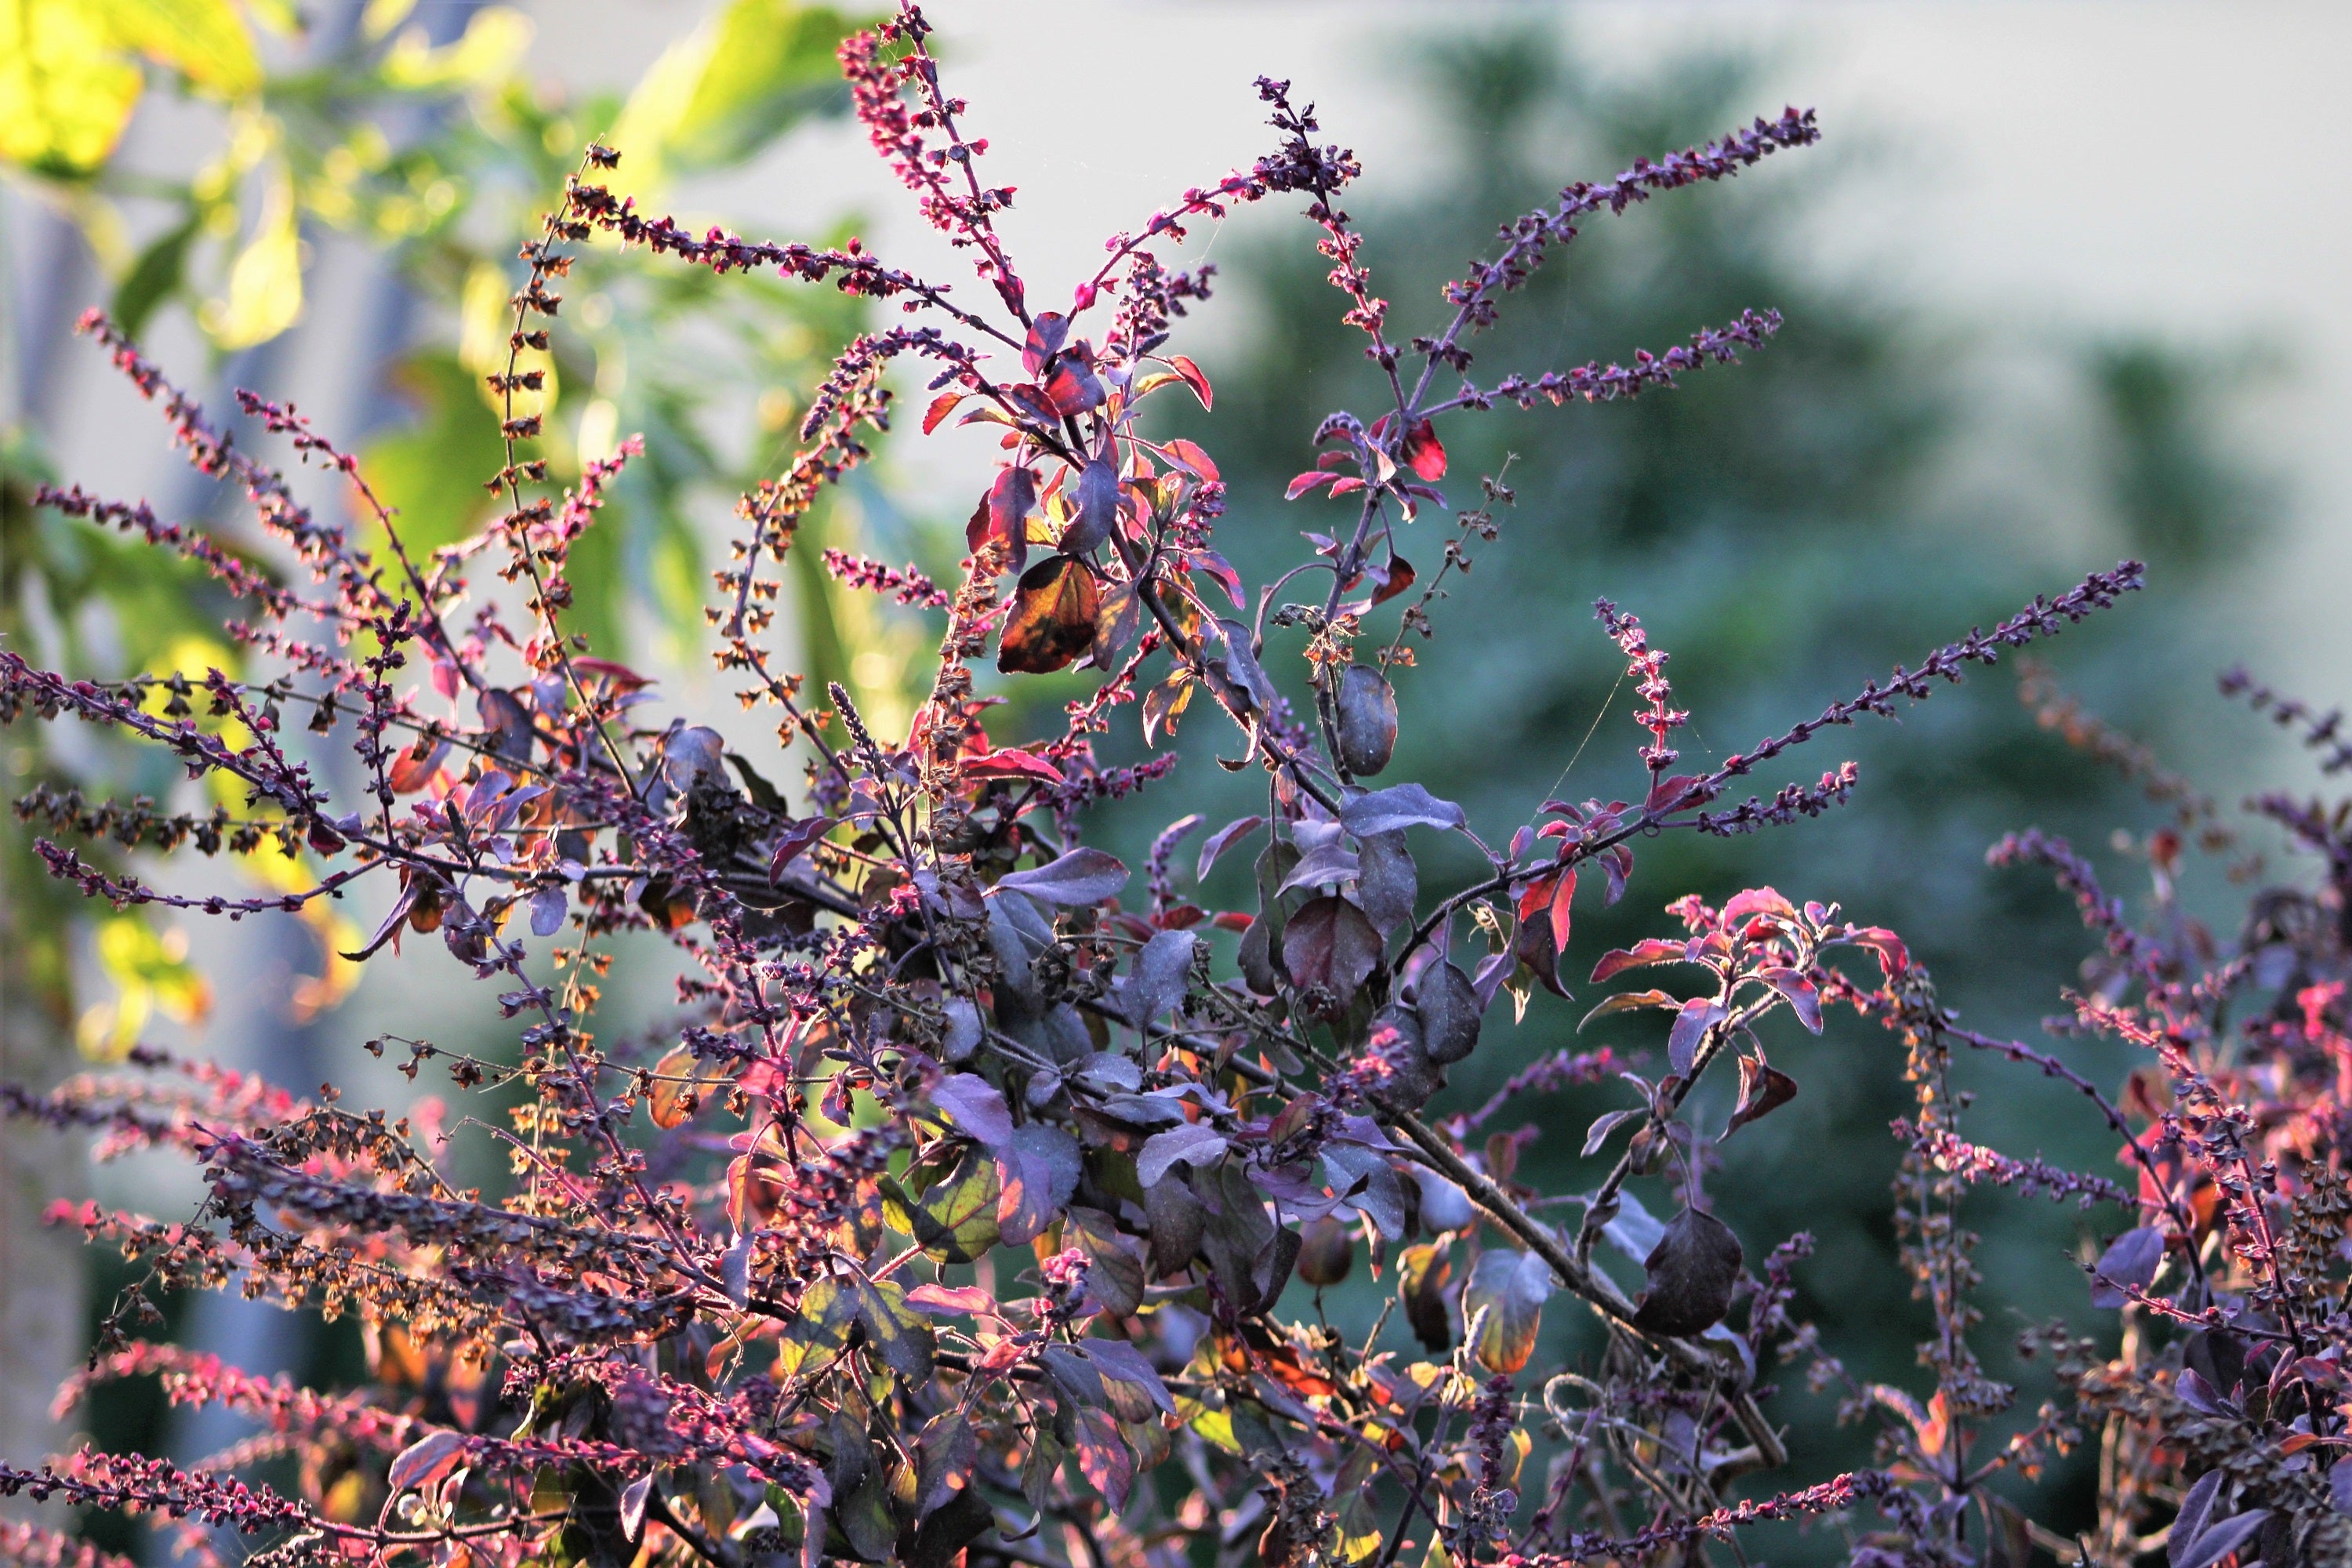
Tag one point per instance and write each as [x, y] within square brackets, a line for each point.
[1691, 1025]
[1531, 946]
[619, 677]
[1804, 1001]
[1667, 794]
[1074, 388]
[1559, 914]
[1218, 567]
[1190, 455]
[1346, 485]
[941, 407]
[1038, 1175]
[976, 526]
[986, 414]
[1424, 454]
[1233, 921]
[1223, 839]
[1104, 1458]
[951, 1300]
[1012, 762]
[1631, 1001]
[1894, 957]
[1535, 898]
[1745, 906]
[677, 1083]
[414, 764]
[1048, 332]
[1400, 577]
[1010, 499]
[1329, 942]
[426, 1461]
[796, 841]
[1052, 620]
[1307, 481]
[1763, 1089]
[1648, 951]
[1196, 380]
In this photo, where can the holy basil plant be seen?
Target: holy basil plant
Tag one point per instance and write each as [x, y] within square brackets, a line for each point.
[977, 1196]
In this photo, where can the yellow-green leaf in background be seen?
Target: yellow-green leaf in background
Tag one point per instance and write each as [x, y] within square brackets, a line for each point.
[487, 53]
[265, 282]
[65, 93]
[379, 17]
[733, 85]
[431, 471]
[151, 975]
[204, 40]
[282, 17]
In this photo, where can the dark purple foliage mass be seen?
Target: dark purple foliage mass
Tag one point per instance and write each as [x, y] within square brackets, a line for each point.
[975, 1200]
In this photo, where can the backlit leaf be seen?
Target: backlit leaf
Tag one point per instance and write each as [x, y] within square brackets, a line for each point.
[1052, 620]
[897, 1333]
[1510, 1289]
[1196, 380]
[954, 1221]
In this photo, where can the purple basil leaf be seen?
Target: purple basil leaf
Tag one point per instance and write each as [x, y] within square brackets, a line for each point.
[1081, 877]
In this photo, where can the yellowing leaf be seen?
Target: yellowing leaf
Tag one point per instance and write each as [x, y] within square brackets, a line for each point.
[381, 17]
[265, 282]
[65, 94]
[151, 973]
[729, 87]
[490, 48]
[204, 40]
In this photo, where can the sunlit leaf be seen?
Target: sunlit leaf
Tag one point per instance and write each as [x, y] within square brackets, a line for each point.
[954, 1220]
[65, 94]
[1051, 621]
[1509, 1290]
[265, 282]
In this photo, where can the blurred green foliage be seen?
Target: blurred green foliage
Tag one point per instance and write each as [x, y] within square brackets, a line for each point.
[438, 156]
